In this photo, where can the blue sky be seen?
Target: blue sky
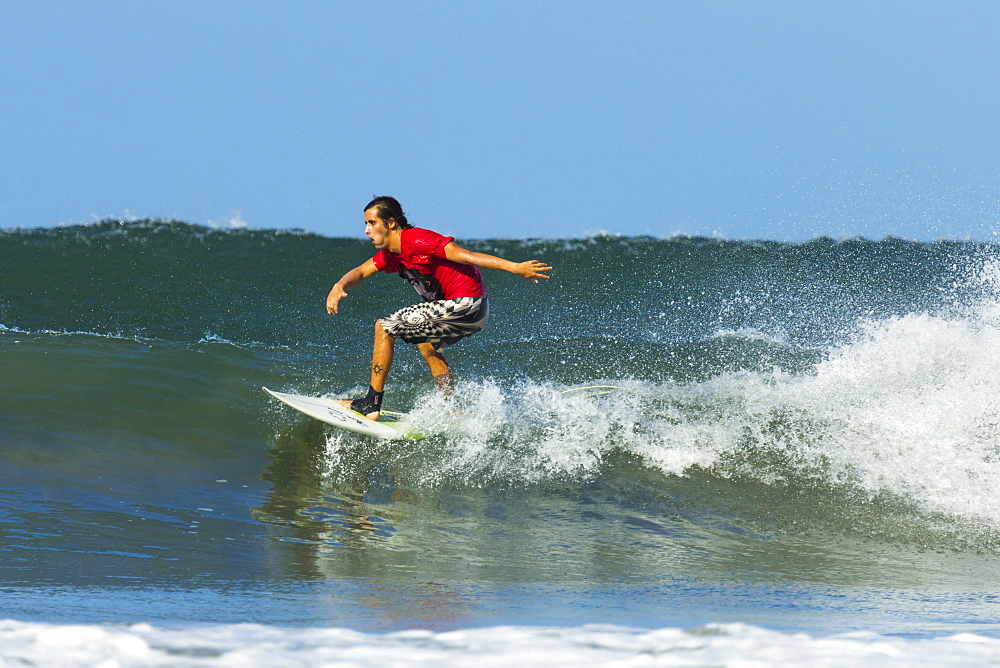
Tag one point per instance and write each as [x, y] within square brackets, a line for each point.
[744, 120]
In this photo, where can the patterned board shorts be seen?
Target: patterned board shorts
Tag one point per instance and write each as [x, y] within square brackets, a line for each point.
[441, 322]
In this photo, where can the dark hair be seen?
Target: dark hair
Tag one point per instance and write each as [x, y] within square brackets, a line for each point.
[388, 207]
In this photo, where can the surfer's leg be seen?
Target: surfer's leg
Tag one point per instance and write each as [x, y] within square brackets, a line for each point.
[438, 366]
[382, 353]
[381, 357]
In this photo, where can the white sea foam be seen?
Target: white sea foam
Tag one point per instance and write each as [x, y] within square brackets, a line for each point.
[234, 221]
[25, 643]
[910, 407]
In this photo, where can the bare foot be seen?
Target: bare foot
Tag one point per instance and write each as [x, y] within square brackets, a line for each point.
[346, 403]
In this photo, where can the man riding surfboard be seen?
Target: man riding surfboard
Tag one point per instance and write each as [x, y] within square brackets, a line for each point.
[446, 275]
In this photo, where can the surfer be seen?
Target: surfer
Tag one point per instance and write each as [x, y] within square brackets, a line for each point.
[446, 275]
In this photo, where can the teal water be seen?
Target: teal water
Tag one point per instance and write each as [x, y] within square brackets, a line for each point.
[800, 437]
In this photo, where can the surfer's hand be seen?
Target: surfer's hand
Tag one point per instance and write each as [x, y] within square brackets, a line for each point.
[532, 270]
[333, 299]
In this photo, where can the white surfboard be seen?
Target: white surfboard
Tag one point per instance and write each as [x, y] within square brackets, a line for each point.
[331, 412]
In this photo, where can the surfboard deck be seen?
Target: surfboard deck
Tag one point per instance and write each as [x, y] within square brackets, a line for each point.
[332, 413]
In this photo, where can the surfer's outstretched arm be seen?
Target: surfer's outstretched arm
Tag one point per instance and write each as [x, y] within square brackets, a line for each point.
[531, 270]
[348, 281]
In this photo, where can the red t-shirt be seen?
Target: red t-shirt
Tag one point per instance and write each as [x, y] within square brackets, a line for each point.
[422, 262]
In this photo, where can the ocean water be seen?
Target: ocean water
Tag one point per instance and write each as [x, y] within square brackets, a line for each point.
[674, 452]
